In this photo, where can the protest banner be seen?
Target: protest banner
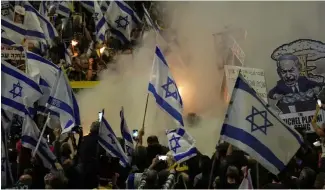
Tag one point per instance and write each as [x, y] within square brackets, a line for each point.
[302, 120]
[11, 53]
[255, 78]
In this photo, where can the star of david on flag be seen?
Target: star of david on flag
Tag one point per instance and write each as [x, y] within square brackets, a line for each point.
[108, 140]
[254, 127]
[122, 20]
[128, 141]
[252, 118]
[17, 90]
[181, 144]
[100, 21]
[164, 89]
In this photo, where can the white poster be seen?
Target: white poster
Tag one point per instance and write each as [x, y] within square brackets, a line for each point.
[255, 78]
[11, 53]
[302, 120]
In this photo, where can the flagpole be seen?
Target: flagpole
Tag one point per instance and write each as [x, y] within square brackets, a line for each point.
[41, 135]
[145, 112]
[257, 176]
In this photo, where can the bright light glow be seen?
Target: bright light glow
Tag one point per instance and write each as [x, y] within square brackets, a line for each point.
[181, 90]
[319, 102]
[74, 42]
[101, 50]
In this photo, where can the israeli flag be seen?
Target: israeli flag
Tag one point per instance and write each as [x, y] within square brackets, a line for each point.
[108, 140]
[47, 27]
[100, 22]
[45, 72]
[103, 6]
[7, 10]
[33, 27]
[63, 9]
[29, 139]
[62, 101]
[89, 5]
[128, 141]
[181, 144]
[7, 42]
[43, 9]
[122, 19]
[252, 126]
[14, 31]
[17, 89]
[163, 87]
[149, 20]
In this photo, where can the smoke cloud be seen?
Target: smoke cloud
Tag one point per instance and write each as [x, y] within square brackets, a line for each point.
[268, 25]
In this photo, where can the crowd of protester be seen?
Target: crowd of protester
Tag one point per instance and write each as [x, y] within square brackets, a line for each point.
[85, 165]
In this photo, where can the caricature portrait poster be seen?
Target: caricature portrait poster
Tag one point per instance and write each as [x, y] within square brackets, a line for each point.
[300, 66]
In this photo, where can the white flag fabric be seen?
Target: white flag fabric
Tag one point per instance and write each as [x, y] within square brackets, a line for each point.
[252, 126]
[247, 180]
[103, 6]
[29, 139]
[43, 71]
[17, 88]
[34, 31]
[181, 144]
[128, 141]
[163, 87]
[62, 101]
[63, 9]
[100, 23]
[48, 29]
[89, 5]
[108, 140]
[43, 9]
[5, 41]
[149, 20]
[122, 19]
[67, 54]
[14, 31]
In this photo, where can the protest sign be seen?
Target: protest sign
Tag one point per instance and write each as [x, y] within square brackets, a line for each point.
[254, 77]
[302, 120]
[11, 53]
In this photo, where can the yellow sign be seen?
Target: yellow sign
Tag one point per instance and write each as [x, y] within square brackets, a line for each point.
[83, 84]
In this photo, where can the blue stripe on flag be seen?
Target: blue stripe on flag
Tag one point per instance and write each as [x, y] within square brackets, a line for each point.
[40, 59]
[90, 3]
[161, 56]
[18, 106]
[49, 27]
[43, 109]
[33, 33]
[21, 77]
[119, 35]
[64, 9]
[13, 27]
[63, 106]
[43, 82]
[7, 41]
[188, 154]
[165, 105]
[111, 148]
[240, 84]
[131, 181]
[40, 149]
[128, 11]
[108, 127]
[100, 24]
[252, 142]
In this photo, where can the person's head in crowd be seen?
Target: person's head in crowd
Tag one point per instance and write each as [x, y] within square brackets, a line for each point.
[54, 181]
[26, 180]
[205, 165]
[152, 179]
[28, 171]
[232, 177]
[307, 178]
[222, 150]
[65, 150]
[152, 140]
[94, 128]
[139, 157]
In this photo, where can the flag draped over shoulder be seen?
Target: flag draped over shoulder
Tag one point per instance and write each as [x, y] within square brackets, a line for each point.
[128, 141]
[108, 140]
[17, 89]
[163, 87]
[29, 139]
[181, 144]
[252, 126]
[122, 19]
